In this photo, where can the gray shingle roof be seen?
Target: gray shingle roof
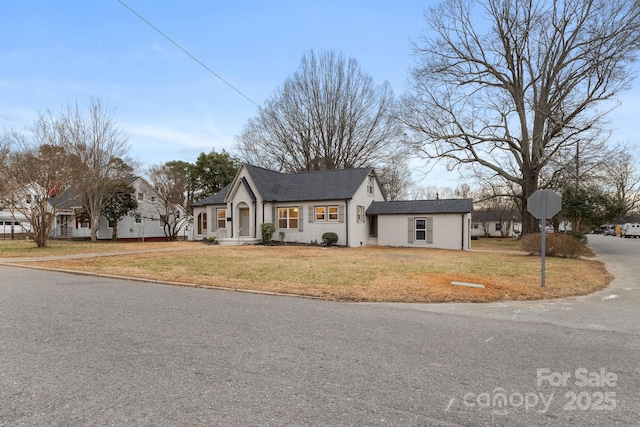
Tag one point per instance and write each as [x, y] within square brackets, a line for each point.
[495, 215]
[319, 185]
[420, 207]
[66, 199]
[69, 198]
[214, 199]
[337, 184]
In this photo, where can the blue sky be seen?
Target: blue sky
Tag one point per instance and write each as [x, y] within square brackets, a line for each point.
[172, 108]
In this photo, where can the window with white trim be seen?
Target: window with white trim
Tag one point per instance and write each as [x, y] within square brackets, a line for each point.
[421, 230]
[140, 196]
[202, 222]
[360, 214]
[221, 218]
[327, 213]
[288, 218]
[333, 213]
[321, 213]
[370, 186]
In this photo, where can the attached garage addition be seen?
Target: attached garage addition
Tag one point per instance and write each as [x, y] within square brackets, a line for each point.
[423, 223]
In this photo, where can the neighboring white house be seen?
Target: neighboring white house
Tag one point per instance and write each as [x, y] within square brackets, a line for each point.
[13, 224]
[142, 224]
[495, 223]
[18, 206]
[348, 202]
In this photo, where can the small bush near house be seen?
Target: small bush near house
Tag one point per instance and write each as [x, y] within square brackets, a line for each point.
[267, 229]
[330, 238]
[556, 245]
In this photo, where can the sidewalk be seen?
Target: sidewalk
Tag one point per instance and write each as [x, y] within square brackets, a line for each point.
[14, 260]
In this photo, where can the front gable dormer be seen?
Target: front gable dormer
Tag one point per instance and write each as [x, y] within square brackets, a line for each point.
[242, 187]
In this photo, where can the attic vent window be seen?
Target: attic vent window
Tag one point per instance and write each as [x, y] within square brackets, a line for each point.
[370, 186]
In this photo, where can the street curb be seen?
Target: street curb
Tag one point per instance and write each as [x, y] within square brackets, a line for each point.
[164, 282]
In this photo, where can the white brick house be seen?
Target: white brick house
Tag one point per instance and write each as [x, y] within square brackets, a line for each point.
[348, 202]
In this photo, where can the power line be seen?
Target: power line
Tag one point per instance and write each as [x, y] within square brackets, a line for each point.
[187, 52]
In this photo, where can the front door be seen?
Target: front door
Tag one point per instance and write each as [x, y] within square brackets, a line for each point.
[244, 222]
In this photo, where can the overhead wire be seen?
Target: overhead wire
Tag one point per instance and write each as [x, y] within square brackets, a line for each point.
[187, 52]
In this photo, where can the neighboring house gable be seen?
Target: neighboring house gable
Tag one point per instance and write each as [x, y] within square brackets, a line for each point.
[142, 224]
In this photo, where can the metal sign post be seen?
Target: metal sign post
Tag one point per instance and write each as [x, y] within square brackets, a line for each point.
[543, 244]
[541, 204]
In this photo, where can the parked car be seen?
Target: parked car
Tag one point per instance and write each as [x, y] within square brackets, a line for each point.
[609, 231]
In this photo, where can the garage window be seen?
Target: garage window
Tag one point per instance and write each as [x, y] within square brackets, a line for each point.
[420, 230]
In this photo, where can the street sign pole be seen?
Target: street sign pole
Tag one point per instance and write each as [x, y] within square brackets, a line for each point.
[543, 245]
[540, 204]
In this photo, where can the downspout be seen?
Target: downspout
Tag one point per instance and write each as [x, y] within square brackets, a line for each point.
[346, 220]
[232, 221]
[263, 204]
[255, 219]
[463, 221]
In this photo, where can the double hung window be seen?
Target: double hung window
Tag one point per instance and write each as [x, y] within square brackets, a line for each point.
[288, 218]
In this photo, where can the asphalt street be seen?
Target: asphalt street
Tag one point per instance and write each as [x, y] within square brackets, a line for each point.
[616, 308]
[79, 350]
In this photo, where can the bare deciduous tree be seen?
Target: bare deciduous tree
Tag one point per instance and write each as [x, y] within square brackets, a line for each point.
[494, 205]
[37, 169]
[395, 177]
[171, 184]
[433, 192]
[506, 97]
[99, 145]
[5, 149]
[327, 115]
[622, 178]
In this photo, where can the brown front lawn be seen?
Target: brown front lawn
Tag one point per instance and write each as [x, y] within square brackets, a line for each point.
[357, 274]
